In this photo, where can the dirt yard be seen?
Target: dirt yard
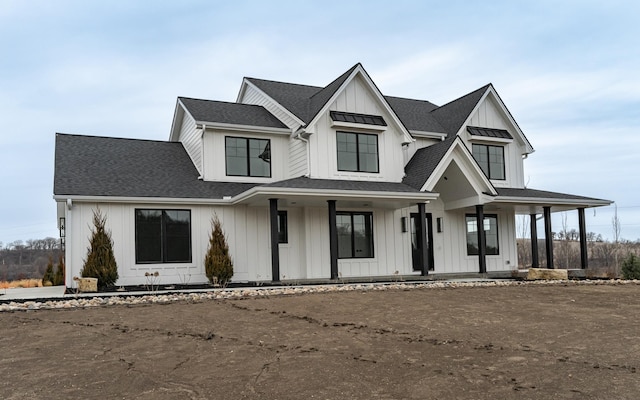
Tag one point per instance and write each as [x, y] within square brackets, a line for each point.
[527, 342]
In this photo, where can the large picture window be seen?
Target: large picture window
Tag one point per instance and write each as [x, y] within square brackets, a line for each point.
[490, 225]
[490, 159]
[357, 152]
[248, 157]
[355, 234]
[163, 236]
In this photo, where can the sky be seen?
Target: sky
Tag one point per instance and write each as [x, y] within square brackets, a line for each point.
[567, 70]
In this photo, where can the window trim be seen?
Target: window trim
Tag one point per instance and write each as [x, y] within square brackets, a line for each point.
[488, 171]
[369, 214]
[247, 139]
[357, 134]
[163, 238]
[282, 215]
[466, 232]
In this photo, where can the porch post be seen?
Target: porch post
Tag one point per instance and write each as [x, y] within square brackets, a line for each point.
[424, 255]
[482, 242]
[583, 239]
[275, 248]
[534, 241]
[548, 238]
[333, 239]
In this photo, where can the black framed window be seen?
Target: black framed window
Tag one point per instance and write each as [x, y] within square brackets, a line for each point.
[355, 234]
[490, 159]
[283, 228]
[248, 157]
[163, 236]
[490, 225]
[357, 152]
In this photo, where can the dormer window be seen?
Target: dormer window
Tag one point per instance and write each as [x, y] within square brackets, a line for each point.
[491, 160]
[248, 156]
[357, 152]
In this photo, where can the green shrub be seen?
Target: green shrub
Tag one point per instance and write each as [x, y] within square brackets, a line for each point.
[631, 267]
[48, 273]
[100, 262]
[58, 278]
[217, 262]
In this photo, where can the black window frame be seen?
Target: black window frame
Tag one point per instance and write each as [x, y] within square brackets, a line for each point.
[248, 159]
[358, 167]
[467, 233]
[163, 237]
[283, 227]
[368, 215]
[487, 167]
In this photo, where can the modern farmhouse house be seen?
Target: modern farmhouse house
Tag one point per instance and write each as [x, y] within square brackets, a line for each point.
[310, 183]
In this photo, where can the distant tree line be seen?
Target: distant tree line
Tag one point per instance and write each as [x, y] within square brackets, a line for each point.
[27, 259]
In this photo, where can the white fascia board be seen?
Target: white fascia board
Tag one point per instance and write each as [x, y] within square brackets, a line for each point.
[336, 193]
[243, 128]
[551, 201]
[446, 160]
[430, 135]
[145, 200]
[379, 96]
[355, 125]
[280, 106]
[479, 139]
[178, 115]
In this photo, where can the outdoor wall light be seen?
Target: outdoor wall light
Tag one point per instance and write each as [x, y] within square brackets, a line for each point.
[403, 223]
[439, 226]
[62, 227]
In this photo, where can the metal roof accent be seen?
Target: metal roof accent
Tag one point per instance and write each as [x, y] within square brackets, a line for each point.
[357, 118]
[488, 132]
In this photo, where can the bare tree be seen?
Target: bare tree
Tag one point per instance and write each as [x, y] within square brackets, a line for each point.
[617, 230]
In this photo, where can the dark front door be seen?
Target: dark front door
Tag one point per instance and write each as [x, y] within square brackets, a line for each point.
[416, 241]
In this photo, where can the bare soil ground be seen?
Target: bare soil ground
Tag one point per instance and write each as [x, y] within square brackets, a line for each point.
[527, 342]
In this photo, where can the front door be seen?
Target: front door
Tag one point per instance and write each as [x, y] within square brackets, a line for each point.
[416, 240]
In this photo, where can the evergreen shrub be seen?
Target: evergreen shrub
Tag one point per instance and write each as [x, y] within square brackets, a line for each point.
[100, 262]
[217, 262]
[631, 267]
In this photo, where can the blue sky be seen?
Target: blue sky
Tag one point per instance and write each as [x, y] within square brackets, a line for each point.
[568, 72]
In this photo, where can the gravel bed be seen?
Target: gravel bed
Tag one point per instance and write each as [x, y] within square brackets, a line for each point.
[217, 294]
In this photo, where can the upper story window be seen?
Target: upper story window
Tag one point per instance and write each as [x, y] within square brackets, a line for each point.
[490, 159]
[357, 152]
[248, 156]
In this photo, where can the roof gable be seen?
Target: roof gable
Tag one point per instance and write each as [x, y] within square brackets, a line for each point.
[453, 115]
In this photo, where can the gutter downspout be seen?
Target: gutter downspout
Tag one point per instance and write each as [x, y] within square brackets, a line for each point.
[299, 137]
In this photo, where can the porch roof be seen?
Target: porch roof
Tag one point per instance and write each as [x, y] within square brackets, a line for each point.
[525, 200]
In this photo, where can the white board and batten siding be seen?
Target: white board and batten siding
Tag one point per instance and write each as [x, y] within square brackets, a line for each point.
[451, 244]
[246, 228]
[214, 152]
[191, 139]
[297, 158]
[489, 115]
[356, 98]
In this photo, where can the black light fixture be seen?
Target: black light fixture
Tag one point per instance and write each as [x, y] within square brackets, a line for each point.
[403, 223]
[62, 227]
[439, 226]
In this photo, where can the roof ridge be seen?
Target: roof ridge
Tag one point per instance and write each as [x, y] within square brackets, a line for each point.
[342, 76]
[485, 87]
[221, 102]
[282, 82]
[410, 99]
[115, 137]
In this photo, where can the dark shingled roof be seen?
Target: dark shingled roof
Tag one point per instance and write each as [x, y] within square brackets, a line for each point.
[541, 194]
[453, 114]
[230, 113]
[102, 166]
[424, 162]
[332, 184]
[302, 100]
[415, 114]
